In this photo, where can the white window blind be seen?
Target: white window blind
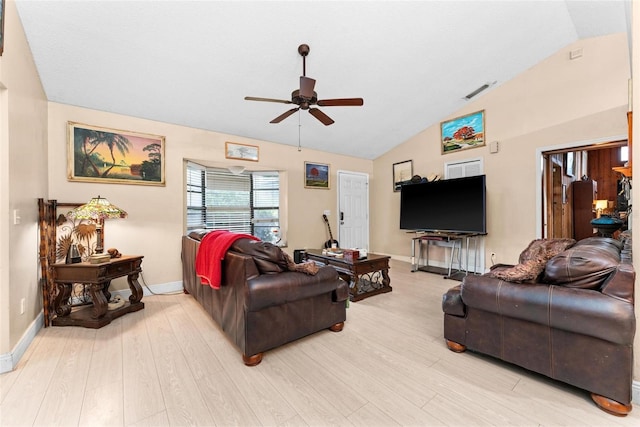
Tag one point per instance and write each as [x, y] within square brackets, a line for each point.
[245, 203]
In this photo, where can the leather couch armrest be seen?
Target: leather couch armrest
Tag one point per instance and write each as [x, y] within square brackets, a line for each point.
[237, 269]
[452, 302]
[620, 284]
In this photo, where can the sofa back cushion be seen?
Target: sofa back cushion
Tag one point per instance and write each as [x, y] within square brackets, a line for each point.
[586, 265]
[268, 257]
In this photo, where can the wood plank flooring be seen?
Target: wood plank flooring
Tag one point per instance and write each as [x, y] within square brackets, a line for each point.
[170, 365]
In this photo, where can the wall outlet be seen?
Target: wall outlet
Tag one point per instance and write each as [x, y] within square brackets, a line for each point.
[327, 212]
[22, 306]
[493, 257]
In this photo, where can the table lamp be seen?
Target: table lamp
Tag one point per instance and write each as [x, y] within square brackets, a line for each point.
[97, 210]
[600, 206]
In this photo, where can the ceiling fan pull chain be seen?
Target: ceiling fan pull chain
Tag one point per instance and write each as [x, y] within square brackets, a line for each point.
[299, 126]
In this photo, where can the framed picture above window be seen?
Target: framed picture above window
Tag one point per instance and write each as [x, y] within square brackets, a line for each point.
[234, 150]
[316, 175]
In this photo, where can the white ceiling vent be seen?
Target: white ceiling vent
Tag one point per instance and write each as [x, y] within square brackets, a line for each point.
[480, 89]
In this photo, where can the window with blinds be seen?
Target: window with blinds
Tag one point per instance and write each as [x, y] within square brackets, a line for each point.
[245, 203]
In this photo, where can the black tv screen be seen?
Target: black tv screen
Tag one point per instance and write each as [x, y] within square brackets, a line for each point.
[451, 205]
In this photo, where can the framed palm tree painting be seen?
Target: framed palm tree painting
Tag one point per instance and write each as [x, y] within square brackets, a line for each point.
[97, 154]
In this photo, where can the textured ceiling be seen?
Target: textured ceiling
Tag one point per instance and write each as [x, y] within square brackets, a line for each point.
[192, 62]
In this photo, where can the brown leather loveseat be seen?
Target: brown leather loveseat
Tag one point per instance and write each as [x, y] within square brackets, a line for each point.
[261, 304]
[572, 320]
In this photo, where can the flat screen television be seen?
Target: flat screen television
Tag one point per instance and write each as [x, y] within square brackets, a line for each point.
[452, 205]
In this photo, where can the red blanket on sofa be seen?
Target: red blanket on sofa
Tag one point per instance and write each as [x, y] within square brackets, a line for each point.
[213, 247]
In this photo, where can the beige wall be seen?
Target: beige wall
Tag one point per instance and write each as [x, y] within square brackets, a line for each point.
[558, 101]
[23, 178]
[156, 214]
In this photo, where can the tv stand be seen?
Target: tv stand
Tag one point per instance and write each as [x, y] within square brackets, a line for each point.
[454, 241]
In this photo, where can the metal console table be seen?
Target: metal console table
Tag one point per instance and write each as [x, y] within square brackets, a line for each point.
[454, 241]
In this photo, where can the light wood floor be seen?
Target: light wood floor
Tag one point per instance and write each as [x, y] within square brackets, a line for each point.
[169, 364]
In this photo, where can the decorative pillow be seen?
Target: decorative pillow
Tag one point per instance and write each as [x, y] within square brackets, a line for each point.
[545, 248]
[533, 260]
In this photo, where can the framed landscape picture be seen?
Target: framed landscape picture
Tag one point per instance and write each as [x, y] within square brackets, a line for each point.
[97, 154]
[462, 133]
[234, 150]
[402, 172]
[316, 175]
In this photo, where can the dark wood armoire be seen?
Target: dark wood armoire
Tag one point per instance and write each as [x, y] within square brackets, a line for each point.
[583, 195]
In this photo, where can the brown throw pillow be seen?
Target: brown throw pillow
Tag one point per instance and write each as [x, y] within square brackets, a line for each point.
[533, 260]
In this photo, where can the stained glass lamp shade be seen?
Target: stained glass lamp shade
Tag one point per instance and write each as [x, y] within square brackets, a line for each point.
[97, 210]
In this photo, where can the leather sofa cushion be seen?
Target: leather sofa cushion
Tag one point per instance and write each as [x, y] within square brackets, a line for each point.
[581, 311]
[268, 257]
[585, 265]
[604, 242]
[269, 290]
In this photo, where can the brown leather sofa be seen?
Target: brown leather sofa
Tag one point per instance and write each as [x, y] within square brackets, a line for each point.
[261, 304]
[574, 323]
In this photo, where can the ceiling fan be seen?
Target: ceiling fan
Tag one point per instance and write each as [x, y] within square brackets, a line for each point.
[305, 97]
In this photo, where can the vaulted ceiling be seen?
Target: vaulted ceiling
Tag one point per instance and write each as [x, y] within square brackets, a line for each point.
[192, 63]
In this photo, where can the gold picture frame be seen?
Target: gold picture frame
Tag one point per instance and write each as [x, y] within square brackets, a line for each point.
[112, 156]
[237, 151]
[462, 133]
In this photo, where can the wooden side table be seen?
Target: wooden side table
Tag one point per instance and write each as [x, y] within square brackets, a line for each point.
[98, 278]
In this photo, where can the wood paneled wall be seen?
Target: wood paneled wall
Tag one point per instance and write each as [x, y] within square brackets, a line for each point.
[600, 170]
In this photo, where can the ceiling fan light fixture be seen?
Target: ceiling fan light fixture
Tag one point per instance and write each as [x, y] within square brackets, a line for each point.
[236, 169]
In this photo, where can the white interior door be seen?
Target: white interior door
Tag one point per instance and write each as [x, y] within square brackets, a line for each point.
[353, 210]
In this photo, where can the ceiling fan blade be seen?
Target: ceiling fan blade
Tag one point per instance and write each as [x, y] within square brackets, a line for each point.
[283, 116]
[306, 87]
[326, 120]
[356, 102]
[253, 98]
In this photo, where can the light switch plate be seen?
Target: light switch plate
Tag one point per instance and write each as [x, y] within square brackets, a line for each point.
[493, 147]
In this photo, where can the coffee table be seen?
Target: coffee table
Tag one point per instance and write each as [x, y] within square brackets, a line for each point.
[366, 277]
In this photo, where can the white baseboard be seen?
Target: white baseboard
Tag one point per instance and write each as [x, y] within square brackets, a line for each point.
[8, 361]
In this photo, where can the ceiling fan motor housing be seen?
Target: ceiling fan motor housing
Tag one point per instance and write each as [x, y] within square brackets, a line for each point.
[302, 101]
